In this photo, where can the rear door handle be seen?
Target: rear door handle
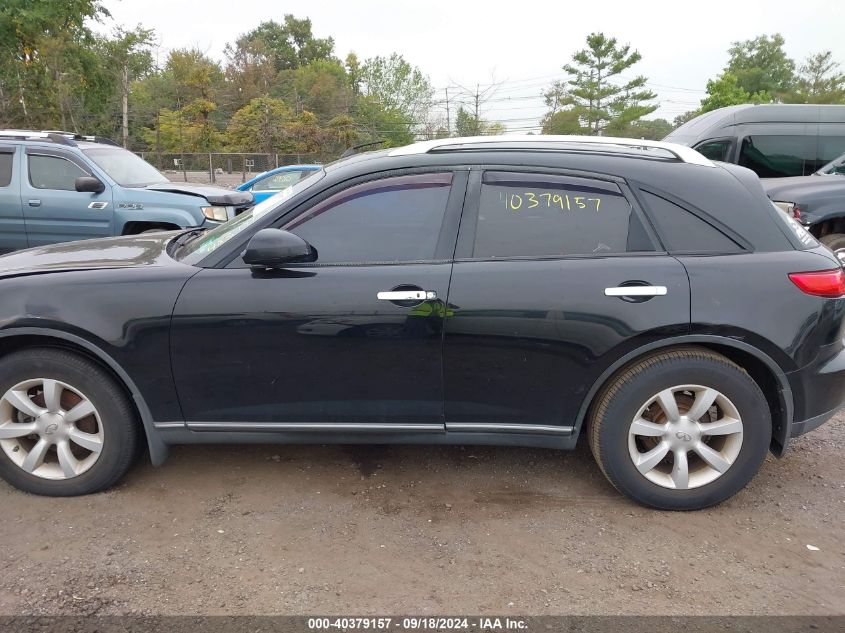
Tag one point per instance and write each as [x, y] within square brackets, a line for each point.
[407, 295]
[35, 203]
[635, 291]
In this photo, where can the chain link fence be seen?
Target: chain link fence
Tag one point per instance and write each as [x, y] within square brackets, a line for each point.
[227, 169]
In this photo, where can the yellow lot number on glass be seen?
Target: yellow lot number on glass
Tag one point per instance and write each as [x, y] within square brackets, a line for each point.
[562, 202]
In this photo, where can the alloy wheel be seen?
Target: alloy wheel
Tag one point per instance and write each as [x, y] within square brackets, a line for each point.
[50, 429]
[685, 437]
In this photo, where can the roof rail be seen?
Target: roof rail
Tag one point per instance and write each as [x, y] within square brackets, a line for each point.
[681, 152]
[55, 136]
[23, 133]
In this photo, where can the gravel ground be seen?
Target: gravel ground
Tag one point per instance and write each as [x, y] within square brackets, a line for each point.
[224, 179]
[425, 530]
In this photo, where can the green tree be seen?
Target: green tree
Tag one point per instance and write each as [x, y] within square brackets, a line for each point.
[249, 72]
[679, 120]
[566, 121]
[260, 126]
[184, 131]
[130, 59]
[593, 89]
[399, 87]
[726, 91]
[353, 73]
[49, 62]
[285, 46]
[649, 129]
[189, 74]
[305, 134]
[819, 81]
[205, 135]
[761, 66]
[321, 87]
[185, 97]
[376, 123]
[342, 131]
[467, 124]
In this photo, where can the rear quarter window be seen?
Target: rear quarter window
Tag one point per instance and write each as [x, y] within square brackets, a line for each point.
[797, 234]
[683, 231]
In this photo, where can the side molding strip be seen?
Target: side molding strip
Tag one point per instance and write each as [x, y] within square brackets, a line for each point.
[313, 426]
[535, 429]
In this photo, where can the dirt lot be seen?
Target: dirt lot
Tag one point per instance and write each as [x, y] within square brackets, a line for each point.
[397, 530]
[202, 177]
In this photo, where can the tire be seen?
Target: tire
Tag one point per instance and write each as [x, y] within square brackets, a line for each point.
[740, 427]
[109, 433]
[834, 241]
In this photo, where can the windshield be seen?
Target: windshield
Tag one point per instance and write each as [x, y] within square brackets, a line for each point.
[834, 167]
[208, 242]
[124, 167]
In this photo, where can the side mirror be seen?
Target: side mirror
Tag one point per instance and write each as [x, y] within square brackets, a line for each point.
[272, 248]
[89, 184]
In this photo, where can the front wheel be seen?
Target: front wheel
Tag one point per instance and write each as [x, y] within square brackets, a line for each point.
[681, 430]
[66, 427]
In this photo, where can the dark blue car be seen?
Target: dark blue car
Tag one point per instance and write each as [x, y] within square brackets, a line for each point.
[272, 182]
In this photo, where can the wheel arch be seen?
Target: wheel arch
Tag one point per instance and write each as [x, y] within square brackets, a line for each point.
[135, 227]
[23, 338]
[759, 365]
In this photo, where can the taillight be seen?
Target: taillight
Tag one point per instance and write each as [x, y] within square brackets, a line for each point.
[796, 212]
[822, 283]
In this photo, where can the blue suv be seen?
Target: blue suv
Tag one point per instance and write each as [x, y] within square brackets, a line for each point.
[59, 187]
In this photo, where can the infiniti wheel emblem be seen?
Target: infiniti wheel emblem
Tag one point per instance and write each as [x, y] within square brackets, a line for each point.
[683, 436]
[51, 428]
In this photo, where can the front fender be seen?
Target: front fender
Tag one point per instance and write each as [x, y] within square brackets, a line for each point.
[158, 449]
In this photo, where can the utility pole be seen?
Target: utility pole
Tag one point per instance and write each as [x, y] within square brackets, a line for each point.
[476, 124]
[125, 95]
[479, 97]
[448, 117]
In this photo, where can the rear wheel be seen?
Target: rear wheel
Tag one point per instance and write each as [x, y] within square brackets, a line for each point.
[66, 427]
[681, 430]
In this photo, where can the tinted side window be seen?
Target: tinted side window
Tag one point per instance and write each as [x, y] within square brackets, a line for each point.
[830, 148]
[777, 156]
[50, 172]
[390, 220]
[715, 150]
[684, 231]
[6, 161]
[532, 215]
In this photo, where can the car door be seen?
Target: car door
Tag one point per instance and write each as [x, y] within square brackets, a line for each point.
[54, 211]
[12, 227]
[555, 278]
[350, 342]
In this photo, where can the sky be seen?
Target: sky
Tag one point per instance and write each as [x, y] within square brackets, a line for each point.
[516, 49]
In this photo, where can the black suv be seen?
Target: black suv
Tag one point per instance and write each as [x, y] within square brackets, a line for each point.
[494, 290]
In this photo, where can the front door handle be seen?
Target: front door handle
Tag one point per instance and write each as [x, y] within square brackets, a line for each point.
[635, 291]
[407, 295]
[35, 202]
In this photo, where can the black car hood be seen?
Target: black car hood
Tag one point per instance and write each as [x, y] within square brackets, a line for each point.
[214, 194]
[113, 252]
[799, 188]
